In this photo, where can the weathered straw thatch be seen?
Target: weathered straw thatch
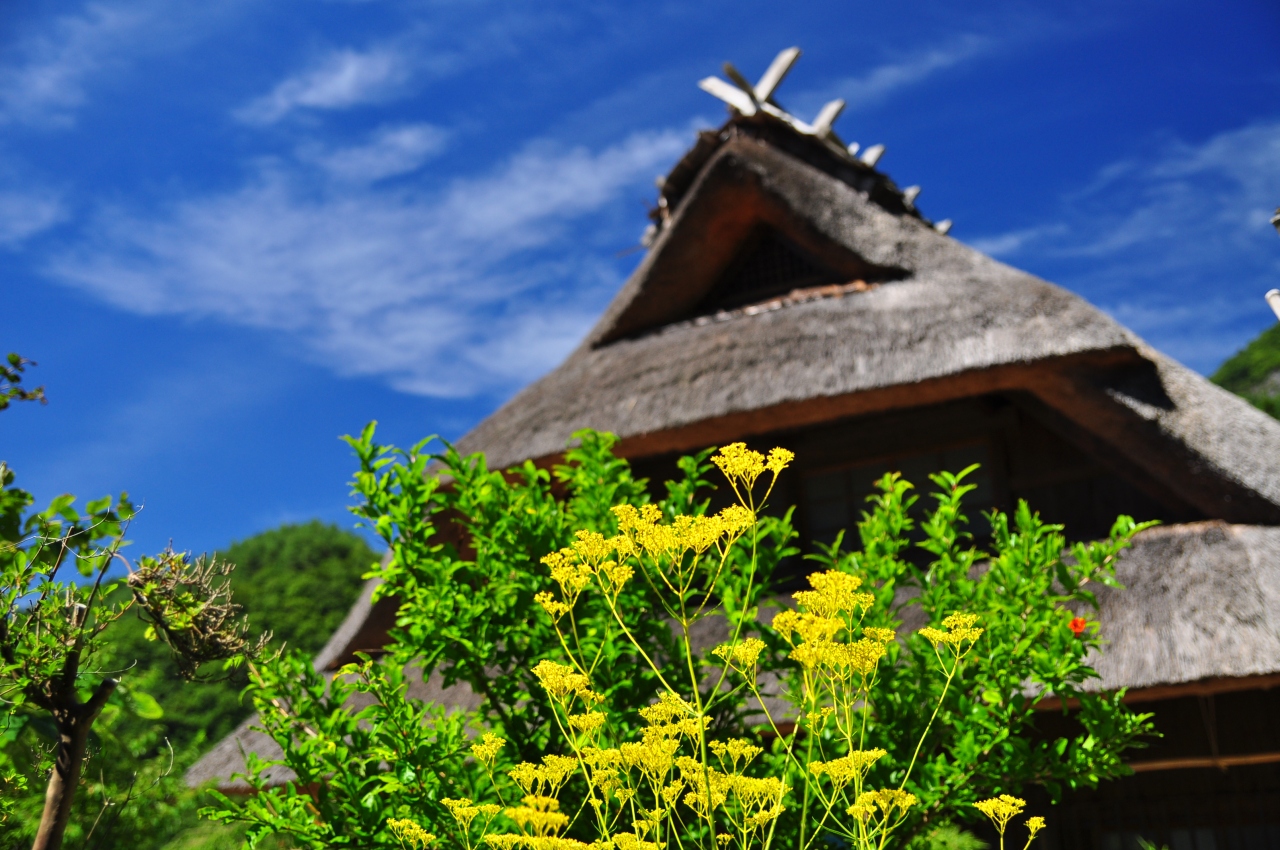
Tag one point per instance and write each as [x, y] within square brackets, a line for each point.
[1201, 601]
[956, 324]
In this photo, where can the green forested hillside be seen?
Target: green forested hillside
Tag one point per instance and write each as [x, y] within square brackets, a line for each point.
[1254, 372]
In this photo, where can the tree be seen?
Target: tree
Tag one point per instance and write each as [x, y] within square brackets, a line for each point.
[1253, 372]
[56, 620]
[297, 582]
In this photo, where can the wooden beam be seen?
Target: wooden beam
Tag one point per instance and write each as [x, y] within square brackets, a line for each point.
[1201, 762]
[1198, 688]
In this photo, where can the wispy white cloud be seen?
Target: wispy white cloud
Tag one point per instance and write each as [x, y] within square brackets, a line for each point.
[23, 214]
[474, 288]
[1007, 244]
[340, 80]
[390, 151]
[51, 65]
[1175, 243]
[45, 77]
[908, 69]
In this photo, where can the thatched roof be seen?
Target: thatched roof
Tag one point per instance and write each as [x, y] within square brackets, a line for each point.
[1201, 603]
[942, 321]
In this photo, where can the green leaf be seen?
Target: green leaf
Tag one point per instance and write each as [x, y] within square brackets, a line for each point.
[145, 706]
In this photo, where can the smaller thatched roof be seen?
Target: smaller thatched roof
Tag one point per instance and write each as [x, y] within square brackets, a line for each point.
[1201, 601]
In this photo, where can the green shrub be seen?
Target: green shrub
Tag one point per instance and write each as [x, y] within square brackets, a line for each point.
[377, 769]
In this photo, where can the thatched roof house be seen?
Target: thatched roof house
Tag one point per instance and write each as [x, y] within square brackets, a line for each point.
[793, 295]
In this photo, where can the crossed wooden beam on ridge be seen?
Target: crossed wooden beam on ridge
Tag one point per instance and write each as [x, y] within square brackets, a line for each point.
[749, 100]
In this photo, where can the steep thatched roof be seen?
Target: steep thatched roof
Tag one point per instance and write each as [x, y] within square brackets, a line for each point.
[938, 321]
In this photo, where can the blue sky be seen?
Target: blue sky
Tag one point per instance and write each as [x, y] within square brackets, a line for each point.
[231, 232]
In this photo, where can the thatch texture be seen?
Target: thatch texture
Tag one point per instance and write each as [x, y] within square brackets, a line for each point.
[958, 324]
[1201, 601]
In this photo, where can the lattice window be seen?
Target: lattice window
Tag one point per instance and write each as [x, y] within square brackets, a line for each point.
[768, 265]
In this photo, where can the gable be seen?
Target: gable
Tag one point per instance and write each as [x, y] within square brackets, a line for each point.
[737, 238]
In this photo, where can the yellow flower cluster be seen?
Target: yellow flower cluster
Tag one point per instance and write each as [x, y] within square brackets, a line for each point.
[464, 811]
[487, 750]
[839, 660]
[668, 709]
[744, 653]
[956, 631]
[844, 770]
[834, 605]
[645, 531]
[885, 801]
[735, 750]
[546, 779]
[409, 834]
[627, 841]
[588, 723]
[1001, 810]
[834, 593]
[562, 682]
[539, 815]
[554, 607]
[742, 466]
[759, 800]
[540, 820]
[1034, 825]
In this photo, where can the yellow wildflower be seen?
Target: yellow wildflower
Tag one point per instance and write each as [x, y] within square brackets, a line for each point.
[843, 770]
[1034, 825]
[886, 799]
[539, 815]
[708, 788]
[878, 634]
[785, 622]
[409, 834]
[554, 607]
[463, 811]
[504, 842]
[561, 681]
[739, 464]
[572, 576]
[546, 778]
[653, 758]
[834, 593]
[958, 631]
[591, 547]
[1001, 809]
[630, 841]
[735, 750]
[744, 653]
[617, 575]
[487, 750]
[778, 460]
[588, 722]
[669, 707]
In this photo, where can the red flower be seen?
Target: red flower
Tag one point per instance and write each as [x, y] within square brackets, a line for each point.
[1077, 626]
